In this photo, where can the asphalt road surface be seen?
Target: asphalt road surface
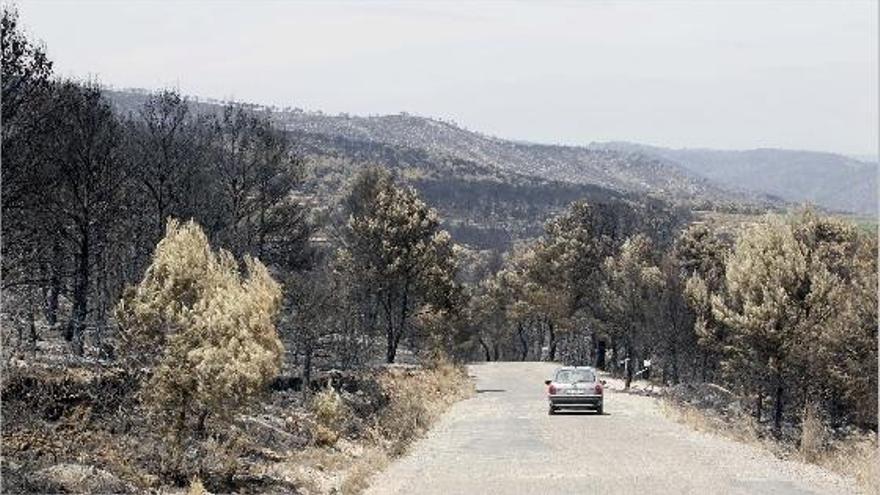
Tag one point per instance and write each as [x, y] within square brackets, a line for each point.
[503, 441]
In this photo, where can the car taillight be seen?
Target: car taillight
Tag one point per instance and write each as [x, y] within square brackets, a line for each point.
[599, 389]
[552, 389]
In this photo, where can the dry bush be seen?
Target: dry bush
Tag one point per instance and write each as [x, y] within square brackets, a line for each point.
[332, 416]
[206, 332]
[358, 476]
[855, 455]
[814, 435]
[196, 488]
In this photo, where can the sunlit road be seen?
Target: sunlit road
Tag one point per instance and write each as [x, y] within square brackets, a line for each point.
[503, 441]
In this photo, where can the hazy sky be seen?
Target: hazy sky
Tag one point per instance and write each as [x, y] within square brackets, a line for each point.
[724, 75]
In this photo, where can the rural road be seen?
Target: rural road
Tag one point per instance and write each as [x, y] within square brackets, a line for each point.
[503, 441]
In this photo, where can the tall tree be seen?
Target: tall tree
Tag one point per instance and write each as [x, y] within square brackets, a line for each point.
[26, 71]
[396, 250]
[795, 304]
[87, 191]
[700, 253]
[31, 253]
[167, 148]
[256, 168]
[629, 294]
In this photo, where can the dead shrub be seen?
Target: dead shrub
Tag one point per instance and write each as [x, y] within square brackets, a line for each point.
[814, 434]
[331, 414]
[196, 488]
[855, 455]
[848, 453]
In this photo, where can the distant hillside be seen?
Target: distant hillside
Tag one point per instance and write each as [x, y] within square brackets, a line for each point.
[483, 205]
[829, 180]
[621, 171]
[494, 193]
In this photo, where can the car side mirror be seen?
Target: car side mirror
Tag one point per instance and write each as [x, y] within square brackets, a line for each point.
[547, 382]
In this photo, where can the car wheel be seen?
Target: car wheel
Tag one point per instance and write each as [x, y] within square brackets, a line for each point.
[601, 410]
[551, 411]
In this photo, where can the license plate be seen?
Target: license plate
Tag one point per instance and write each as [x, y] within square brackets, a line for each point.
[572, 392]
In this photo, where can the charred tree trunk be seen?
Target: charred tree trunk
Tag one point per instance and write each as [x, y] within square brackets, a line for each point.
[778, 408]
[33, 336]
[54, 289]
[759, 406]
[391, 348]
[394, 336]
[75, 329]
[201, 423]
[524, 342]
[308, 352]
[628, 364]
[675, 365]
[390, 334]
[551, 330]
[704, 368]
[486, 350]
[600, 354]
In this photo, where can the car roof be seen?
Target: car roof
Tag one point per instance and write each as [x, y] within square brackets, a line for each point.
[563, 368]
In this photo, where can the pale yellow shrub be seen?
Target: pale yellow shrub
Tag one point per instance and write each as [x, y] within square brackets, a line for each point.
[206, 330]
[331, 415]
[357, 478]
[196, 488]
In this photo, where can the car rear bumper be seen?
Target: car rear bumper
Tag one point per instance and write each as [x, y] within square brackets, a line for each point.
[594, 401]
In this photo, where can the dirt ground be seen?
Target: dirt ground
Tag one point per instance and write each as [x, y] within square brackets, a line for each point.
[503, 441]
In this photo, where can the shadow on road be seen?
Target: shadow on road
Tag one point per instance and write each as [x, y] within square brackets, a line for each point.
[490, 390]
[580, 413]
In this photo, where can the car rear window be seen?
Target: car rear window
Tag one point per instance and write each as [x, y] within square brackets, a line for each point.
[572, 376]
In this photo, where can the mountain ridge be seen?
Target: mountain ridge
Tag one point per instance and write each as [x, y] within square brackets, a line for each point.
[829, 180]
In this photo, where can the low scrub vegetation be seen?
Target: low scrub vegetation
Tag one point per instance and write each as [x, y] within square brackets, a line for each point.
[416, 400]
[330, 443]
[848, 451]
[331, 416]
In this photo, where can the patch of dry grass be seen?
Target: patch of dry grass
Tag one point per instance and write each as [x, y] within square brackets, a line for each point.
[743, 430]
[855, 456]
[416, 400]
[333, 443]
[196, 488]
[341, 462]
[357, 479]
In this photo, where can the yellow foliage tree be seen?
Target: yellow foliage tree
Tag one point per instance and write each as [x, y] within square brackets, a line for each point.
[204, 330]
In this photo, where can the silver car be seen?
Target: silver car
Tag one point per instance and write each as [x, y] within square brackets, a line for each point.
[575, 387]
